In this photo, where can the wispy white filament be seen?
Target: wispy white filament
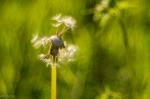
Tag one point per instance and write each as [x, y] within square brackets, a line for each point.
[38, 42]
[67, 54]
[68, 21]
[48, 61]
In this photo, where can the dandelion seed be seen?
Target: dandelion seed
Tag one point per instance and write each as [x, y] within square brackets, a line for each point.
[57, 18]
[34, 39]
[43, 58]
[68, 21]
[57, 24]
[38, 42]
[45, 41]
[67, 54]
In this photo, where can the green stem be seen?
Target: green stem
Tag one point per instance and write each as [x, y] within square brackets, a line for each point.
[54, 80]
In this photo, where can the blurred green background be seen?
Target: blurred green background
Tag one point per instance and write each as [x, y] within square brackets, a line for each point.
[113, 60]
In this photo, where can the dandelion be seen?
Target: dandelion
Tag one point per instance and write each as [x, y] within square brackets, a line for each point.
[57, 52]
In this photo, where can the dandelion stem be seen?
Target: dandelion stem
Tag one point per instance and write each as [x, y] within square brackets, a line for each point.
[63, 31]
[53, 81]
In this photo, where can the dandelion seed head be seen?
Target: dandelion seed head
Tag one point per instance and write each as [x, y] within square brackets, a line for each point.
[65, 55]
[57, 47]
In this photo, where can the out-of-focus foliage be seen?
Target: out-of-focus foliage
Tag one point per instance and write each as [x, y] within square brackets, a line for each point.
[113, 49]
